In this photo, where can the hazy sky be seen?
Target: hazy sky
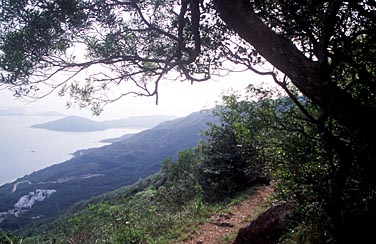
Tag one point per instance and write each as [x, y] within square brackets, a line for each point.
[175, 98]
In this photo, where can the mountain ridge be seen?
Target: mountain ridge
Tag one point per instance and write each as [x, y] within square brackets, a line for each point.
[98, 170]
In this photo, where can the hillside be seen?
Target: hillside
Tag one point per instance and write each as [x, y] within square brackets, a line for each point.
[95, 171]
[71, 123]
[81, 124]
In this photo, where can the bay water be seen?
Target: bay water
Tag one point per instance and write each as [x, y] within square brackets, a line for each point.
[24, 150]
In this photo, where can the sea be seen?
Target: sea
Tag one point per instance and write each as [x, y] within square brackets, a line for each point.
[24, 150]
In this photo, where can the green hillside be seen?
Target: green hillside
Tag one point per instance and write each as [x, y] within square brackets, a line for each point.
[99, 170]
[249, 143]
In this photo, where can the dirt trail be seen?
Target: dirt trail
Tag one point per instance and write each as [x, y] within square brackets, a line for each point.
[222, 228]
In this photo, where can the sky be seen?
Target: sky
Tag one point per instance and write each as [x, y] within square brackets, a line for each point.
[175, 98]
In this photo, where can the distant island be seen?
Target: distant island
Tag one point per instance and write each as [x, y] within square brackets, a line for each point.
[18, 111]
[50, 192]
[81, 124]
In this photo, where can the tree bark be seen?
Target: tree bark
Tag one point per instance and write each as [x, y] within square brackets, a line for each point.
[310, 77]
[313, 79]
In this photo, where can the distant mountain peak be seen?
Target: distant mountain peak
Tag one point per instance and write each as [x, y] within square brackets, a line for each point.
[71, 123]
[81, 124]
[98, 170]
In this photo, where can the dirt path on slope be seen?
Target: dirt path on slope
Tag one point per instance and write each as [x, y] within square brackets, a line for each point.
[223, 228]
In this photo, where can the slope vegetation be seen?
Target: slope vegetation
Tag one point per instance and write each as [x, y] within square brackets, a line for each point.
[95, 171]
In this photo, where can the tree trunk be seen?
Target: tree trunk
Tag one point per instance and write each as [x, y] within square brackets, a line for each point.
[310, 77]
[313, 80]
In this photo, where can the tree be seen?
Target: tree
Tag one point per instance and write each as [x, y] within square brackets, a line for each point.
[232, 158]
[181, 181]
[325, 49]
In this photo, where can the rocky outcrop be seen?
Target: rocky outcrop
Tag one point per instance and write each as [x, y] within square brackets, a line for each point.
[26, 202]
[268, 227]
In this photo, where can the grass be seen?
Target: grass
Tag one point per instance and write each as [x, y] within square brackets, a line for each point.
[228, 238]
[141, 218]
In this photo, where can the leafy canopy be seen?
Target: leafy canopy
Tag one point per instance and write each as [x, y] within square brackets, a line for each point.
[87, 47]
[114, 42]
[322, 49]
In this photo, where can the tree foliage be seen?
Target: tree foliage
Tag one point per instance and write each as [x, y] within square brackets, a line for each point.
[115, 42]
[273, 136]
[231, 156]
[324, 49]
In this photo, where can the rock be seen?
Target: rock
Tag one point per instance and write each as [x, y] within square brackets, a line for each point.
[258, 180]
[268, 227]
[27, 201]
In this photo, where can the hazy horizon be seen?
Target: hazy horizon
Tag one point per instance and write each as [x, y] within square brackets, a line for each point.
[24, 150]
[175, 98]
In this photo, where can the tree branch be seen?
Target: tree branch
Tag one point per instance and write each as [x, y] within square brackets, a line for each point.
[276, 49]
[327, 30]
[307, 75]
